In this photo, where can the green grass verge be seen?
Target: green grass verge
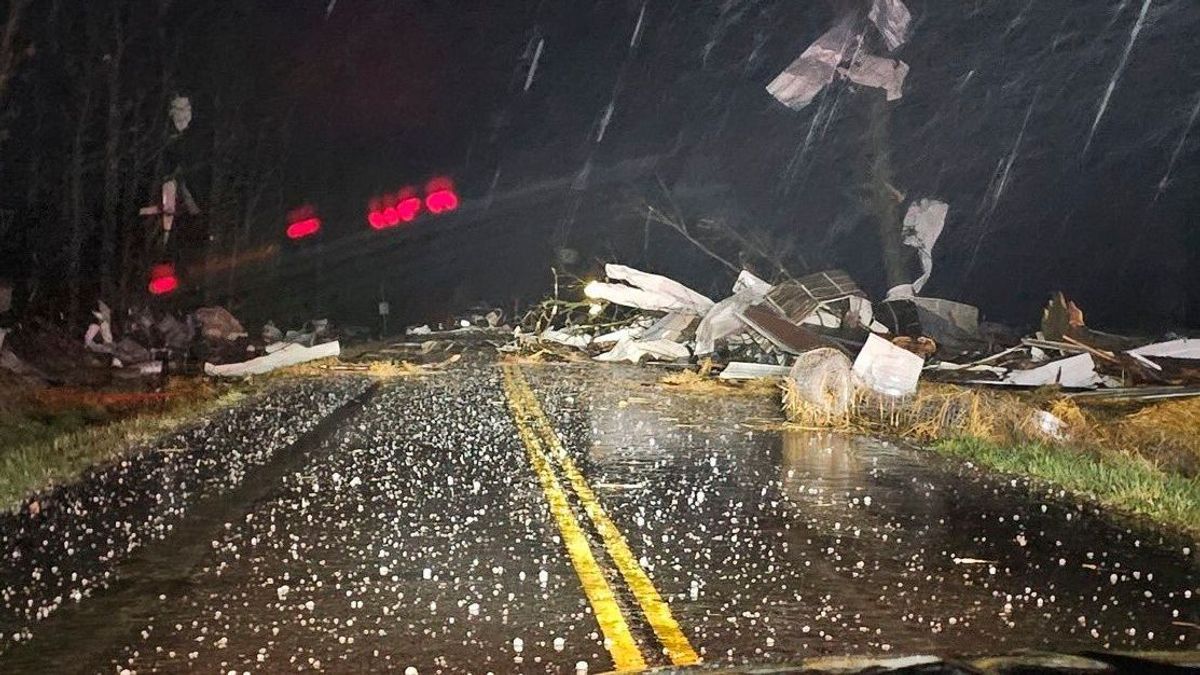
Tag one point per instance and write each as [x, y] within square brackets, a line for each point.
[36, 456]
[1125, 483]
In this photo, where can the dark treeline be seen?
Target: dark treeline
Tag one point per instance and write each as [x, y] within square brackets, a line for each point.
[86, 141]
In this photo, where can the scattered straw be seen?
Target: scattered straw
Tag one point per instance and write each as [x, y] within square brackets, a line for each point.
[692, 382]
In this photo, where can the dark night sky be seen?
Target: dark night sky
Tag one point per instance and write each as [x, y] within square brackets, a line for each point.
[394, 91]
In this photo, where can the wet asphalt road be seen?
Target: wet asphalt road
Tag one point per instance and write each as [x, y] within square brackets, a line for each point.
[435, 527]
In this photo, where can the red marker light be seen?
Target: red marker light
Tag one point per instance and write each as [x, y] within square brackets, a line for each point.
[441, 201]
[409, 208]
[304, 228]
[163, 279]
[163, 285]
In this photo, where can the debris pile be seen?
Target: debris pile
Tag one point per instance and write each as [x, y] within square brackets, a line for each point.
[146, 343]
[823, 333]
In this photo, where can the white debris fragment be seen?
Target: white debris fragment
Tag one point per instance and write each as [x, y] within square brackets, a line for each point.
[801, 81]
[1074, 372]
[923, 224]
[724, 319]
[878, 72]
[1183, 348]
[181, 113]
[562, 337]
[647, 291]
[893, 20]
[747, 281]
[1049, 424]
[670, 327]
[741, 370]
[888, 369]
[625, 333]
[635, 351]
[290, 355]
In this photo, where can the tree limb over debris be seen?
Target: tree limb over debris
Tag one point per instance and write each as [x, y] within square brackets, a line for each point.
[761, 244]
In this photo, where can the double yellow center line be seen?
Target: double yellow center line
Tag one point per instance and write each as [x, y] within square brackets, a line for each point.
[542, 446]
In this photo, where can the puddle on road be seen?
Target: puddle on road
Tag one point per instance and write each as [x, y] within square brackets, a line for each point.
[776, 545]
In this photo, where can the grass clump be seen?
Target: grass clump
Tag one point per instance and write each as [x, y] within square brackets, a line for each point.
[1142, 459]
[49, 443]
[1128, 483]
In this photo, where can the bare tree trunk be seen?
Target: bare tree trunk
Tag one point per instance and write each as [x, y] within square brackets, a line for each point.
[131, 189]
[75, 207]
[112, 161]
[882, 196]
[222, 196]
[158, 125]
[9, 57]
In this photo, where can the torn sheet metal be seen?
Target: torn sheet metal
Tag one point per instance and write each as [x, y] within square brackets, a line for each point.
[801, 81]
[1074, 372]
[1183, 348]
[878, 72]
[781, 332]
[824, 318]
[1136, 393]
[635, 351]
[893, 20]
[633, 331]
[670, 327]
[798, 299]
[747, 281]
[860, 312]
[741, 370]
[888, 369]
[613, 337]
[647, 291]
[659, 284]
[948, 315]
[290, 355]
[945, 366]
[562, 337]
[724, 319]
[923, 226]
